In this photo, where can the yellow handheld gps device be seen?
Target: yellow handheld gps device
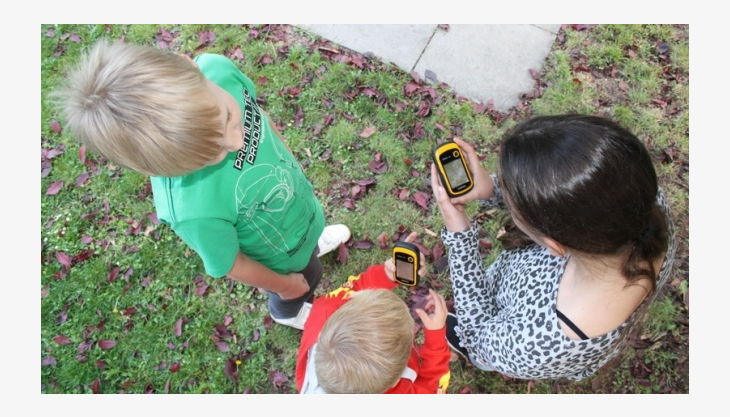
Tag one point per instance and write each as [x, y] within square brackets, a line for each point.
[405, 258]
[452, 168]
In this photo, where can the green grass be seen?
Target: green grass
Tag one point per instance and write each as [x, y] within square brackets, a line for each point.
[161, 286]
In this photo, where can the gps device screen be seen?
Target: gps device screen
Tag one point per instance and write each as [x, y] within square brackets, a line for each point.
[404, 270]
[455, 172]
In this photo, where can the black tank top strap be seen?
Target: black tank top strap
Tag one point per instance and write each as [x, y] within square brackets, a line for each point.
[572, 325]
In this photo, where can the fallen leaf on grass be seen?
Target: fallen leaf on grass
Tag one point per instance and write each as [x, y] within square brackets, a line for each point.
[424, 108]
[580, 27]
[278, 378]
[64, 259]
[368, 131]
[236, 54]
[426, 252]
[363, 244]
[48, 361]
[222, 332]
[178, 329]
[55, 126]
[231, 369]
[54, 188]
[437, 251]
[206, 38]
[106, 344]
[63, 315]
[383, 241]
[62, 340]
[82, 179]
[342, 253]
[112, 276]
[82, 256]
[96, 386]
[378, 167]
[422, 199]
[200, 286]
[264, 60]
[127, 384]
[410, 88]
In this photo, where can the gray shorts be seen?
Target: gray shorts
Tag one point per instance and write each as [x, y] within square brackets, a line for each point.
[283, 309]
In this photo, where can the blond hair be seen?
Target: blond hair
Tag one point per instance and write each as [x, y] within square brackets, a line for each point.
[142, 108]
[364, 346]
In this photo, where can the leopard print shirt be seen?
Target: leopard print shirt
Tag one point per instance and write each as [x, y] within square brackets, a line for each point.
[507, 312]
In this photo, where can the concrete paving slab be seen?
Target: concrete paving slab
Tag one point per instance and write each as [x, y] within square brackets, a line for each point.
[397, 44]
[550, 28]
[487, 62]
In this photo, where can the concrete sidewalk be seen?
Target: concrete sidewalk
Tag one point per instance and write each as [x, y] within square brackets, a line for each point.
[481, 62]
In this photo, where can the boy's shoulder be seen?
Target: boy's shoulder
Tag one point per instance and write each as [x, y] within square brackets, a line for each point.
[206, 60]
[224, 72]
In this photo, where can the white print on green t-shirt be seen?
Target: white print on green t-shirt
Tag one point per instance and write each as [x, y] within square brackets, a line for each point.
[251, 118]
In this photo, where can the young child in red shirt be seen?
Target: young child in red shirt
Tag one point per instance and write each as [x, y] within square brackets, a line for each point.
[359, 339]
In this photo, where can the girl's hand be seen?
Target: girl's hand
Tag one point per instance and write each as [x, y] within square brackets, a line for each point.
[454, 216]
[390, 267]
[483, 187]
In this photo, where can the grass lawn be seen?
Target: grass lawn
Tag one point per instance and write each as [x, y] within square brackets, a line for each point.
[127, 307]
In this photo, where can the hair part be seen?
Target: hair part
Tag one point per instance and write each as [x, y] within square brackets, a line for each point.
[142, 108]
[364, 346]
[589, 184]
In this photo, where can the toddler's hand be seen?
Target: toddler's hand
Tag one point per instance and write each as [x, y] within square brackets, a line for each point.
[390, 267]
[433, 315]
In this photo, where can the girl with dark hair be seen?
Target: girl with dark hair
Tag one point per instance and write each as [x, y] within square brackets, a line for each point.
[597, 244]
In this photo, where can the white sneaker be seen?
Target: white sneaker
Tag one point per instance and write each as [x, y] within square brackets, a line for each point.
[297, 321]
[331, 238]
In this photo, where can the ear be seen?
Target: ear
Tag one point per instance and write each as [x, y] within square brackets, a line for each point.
[554, 247]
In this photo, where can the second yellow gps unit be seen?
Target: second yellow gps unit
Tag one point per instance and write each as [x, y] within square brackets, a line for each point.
[452, 168]
[405, 258]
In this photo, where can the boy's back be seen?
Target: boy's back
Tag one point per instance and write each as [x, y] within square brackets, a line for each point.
[256, 200]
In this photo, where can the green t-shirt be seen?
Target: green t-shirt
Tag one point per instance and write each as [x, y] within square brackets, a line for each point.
[256, 200]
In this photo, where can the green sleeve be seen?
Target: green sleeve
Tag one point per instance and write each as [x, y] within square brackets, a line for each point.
[214, 240]
[224, 72]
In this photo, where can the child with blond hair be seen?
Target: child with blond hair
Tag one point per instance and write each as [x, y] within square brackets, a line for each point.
[222, 176]
[359, 339]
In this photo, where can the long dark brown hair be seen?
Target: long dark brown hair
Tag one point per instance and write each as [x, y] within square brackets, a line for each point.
[587, 183]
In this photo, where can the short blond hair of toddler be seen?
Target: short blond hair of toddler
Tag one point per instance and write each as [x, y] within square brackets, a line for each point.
[364, 346]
